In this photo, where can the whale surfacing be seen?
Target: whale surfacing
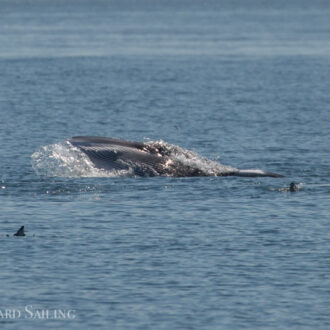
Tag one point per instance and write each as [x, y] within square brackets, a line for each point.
[146, 159]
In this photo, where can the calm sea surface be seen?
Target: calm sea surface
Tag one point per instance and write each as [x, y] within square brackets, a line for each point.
[244, 83]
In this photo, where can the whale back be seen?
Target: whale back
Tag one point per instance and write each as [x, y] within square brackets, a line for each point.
[147, 160]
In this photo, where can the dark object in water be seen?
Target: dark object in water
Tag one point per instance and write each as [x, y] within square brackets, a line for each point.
[146, 160]
[293, 187]
[20, 232]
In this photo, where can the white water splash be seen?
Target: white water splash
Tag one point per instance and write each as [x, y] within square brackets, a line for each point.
[64, 160]
[189, 158]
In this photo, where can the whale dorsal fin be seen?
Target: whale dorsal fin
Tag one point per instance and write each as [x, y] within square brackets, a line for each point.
[20, 232]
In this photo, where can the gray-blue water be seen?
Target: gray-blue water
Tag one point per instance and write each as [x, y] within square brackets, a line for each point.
[244, 83]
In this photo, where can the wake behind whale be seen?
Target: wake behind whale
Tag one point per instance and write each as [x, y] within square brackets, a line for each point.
[100, 156]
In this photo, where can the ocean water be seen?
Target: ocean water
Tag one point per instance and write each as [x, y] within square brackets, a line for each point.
[241, 83]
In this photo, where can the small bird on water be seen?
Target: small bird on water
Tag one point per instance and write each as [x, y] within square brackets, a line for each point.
[20, 232]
